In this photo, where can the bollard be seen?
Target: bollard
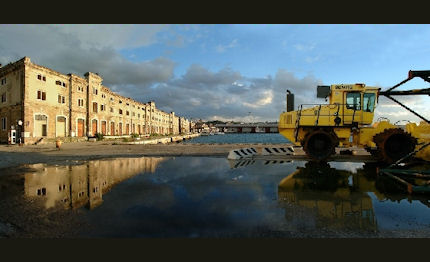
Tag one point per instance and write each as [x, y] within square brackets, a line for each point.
[58, 144]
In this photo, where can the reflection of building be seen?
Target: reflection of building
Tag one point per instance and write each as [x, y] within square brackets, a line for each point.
[336, 198]
[77, 185]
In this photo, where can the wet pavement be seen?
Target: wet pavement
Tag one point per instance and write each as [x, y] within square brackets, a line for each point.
[210, 197]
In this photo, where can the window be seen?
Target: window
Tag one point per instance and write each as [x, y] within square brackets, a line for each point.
[39, 77]
[353, 101]
[95, 107]
[102, 107]
[134, 114]
[3, 123]
[120, 111]
[120, 101]
[103, 96]
[127, 104]
[60, 83]
[127, 113]
[3, 98]
[111, 109]
[80, 102]
[61, 99]
[3, 81]
[111, 99]
[41, 191]
[368, 102]
[80, 89]
[61, 187]
[41, 95]
[95, 91]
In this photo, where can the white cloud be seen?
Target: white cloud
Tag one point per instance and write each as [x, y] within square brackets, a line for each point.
[265, 100]
[222, 48]
[304, 47]
[115, 36]
[312, 59]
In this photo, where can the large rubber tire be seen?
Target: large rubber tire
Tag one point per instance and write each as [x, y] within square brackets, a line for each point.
[320, 144]
[393, 144]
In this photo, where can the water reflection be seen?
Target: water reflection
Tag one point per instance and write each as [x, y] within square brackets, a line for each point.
[321, 196]
[207, 197]
[330, 198]
[75, 186]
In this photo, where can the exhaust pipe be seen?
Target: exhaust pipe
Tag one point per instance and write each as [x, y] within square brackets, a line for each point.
[290, 101]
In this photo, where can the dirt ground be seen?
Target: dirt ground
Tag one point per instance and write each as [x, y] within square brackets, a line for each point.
[14, 155]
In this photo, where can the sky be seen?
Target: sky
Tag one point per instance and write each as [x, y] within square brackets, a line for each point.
[230, 72]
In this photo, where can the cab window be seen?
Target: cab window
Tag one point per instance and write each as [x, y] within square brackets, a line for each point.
[368, 102]
[353, 101]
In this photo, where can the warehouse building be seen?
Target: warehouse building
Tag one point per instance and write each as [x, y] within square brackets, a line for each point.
[38, 103]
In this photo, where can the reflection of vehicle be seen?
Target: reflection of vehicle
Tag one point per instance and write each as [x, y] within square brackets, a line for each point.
[330, 196]
[338, 199]
[346, 121]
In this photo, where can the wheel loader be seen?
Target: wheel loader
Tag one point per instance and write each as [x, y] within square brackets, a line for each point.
[347, 121]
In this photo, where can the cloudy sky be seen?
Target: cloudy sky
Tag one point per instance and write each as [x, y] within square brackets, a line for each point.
[230, 72]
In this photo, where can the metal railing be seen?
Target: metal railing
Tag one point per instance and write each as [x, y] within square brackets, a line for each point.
[334, 110]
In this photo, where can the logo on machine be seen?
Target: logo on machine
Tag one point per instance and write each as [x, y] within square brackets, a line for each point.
[343, 87]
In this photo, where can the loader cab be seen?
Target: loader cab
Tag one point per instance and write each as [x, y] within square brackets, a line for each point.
[356, 103]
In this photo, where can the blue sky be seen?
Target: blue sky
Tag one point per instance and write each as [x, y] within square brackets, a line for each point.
[332, 52]
[226, 71]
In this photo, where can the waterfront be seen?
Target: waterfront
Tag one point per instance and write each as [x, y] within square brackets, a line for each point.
[243, 138]
[192, 197]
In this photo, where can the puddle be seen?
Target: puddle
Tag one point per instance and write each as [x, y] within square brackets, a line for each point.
[207, 197]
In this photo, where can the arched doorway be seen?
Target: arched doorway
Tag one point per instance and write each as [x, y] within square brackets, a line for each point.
[104, 128]
[60, 126]
[81, 127]
[94, 127]
[112, 128]
[40, 125]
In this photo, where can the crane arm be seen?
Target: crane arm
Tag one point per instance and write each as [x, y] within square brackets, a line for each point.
[425, 75]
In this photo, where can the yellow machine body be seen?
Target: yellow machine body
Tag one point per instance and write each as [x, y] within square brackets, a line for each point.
[348, 116]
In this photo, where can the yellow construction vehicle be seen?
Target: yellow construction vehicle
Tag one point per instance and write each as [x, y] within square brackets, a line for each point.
[347, 121]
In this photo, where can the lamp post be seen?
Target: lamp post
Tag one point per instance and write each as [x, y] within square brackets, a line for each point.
[19, 125]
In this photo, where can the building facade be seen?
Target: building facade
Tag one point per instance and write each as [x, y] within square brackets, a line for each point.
[39, 102]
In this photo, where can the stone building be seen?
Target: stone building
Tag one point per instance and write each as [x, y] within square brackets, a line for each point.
[184, 125]
[39, 102]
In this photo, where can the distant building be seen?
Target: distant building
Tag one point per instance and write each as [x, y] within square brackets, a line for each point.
[39, 102]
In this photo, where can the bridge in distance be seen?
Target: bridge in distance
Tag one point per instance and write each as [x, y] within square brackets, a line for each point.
[248, 127]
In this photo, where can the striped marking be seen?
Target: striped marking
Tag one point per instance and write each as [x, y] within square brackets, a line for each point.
[278, 151]
[246, 162]
[242, 153]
